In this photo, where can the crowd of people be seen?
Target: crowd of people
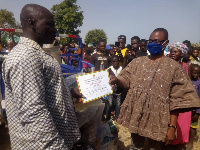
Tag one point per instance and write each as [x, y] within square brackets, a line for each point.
[156, 90]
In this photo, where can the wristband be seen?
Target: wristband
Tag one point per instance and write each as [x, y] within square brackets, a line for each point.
[169, 125]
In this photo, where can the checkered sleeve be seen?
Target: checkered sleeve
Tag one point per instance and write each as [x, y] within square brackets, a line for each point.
[27, 83]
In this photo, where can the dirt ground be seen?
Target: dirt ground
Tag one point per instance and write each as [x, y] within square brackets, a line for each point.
[197, 144]
[124, 141]
[4, 138]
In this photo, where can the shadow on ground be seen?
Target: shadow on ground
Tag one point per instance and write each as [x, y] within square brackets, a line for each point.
[4, 138]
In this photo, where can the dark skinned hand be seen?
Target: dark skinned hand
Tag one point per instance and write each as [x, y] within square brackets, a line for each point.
[113, 79]
[195, 117]
[76, 94]
[170, 135]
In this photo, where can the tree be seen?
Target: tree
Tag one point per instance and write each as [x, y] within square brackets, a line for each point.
[94, 36]
[67, 17]
[7, 20]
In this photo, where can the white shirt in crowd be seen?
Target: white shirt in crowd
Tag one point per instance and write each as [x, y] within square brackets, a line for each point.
[116, 71]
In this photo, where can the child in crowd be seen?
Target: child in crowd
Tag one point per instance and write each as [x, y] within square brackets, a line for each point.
[114, 100]
[143, 48]
[87, 59]
[115, 68]
[194, 57]
[177, 52]
[64, 50]
[195, 74]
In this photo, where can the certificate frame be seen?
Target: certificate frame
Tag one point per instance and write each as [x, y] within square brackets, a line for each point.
[91, 78]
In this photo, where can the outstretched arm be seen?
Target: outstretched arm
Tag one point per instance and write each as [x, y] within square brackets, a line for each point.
[115, 81]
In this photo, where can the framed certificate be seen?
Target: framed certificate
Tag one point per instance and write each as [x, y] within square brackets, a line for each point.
[94, 85]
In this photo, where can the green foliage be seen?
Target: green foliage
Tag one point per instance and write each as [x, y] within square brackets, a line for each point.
[94, 36]
[67, 18]
[7, 17]
[7, 20]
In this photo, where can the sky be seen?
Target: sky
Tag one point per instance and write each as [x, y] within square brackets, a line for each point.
[130, 17]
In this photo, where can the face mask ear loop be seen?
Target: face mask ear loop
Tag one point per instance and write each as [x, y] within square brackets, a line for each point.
[163, 44]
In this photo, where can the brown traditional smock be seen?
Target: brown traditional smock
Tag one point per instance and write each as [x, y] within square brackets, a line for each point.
[154, 91]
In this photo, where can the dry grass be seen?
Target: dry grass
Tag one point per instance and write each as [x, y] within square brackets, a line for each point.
[197, 144]
[124, 141]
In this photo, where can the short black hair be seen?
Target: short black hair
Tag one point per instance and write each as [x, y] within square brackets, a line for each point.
[162, 30]
[143, 40]
[102, 40]
[188, 42]
[122, 37]
[115, 56]
[129, 47]
[30, 11]
[136, 37]
[192, 66]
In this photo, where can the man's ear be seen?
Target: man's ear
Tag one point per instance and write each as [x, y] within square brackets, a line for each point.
[32, 23]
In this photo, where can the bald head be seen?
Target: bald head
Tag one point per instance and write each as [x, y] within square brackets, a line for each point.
[38, 24]
[32, 11]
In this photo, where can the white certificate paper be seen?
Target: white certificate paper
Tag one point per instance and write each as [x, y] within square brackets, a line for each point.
[94, 85]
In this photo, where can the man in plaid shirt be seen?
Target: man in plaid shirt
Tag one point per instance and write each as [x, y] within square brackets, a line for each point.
[39, 106]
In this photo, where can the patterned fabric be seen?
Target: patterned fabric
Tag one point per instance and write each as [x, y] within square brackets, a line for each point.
[183, 48]
[38, 103]
[154, 91]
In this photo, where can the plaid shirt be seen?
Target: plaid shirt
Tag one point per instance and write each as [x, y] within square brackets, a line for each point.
[39, 106]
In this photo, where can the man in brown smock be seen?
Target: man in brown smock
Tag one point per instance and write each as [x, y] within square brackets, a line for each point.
[158, 89]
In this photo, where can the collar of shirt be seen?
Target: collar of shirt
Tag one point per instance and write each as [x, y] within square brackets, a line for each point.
[31, 43]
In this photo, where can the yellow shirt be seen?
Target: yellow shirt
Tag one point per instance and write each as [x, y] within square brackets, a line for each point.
[123, 51]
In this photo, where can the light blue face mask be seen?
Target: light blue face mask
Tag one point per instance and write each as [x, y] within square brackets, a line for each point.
[154, 48]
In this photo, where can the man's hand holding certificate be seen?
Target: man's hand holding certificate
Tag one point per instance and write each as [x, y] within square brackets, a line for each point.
[94, 85]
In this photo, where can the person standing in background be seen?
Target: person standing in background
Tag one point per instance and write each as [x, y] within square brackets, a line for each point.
[122, 47]
[99, 59]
